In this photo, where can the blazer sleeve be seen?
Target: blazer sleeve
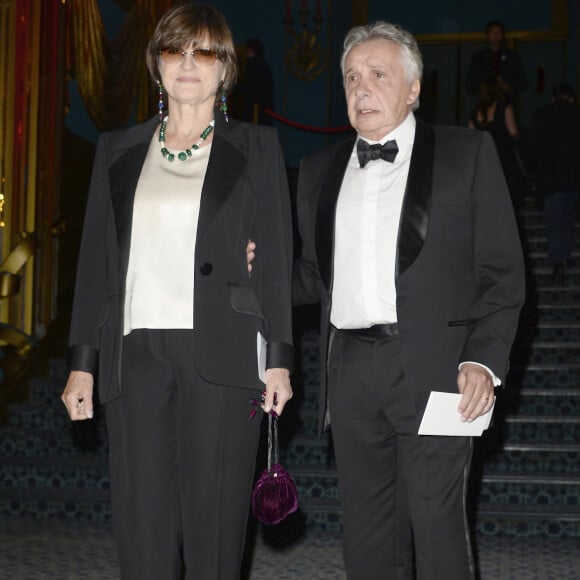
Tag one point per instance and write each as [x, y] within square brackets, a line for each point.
[499, 265]
[306, 281]
[90, 287]
[272, 270]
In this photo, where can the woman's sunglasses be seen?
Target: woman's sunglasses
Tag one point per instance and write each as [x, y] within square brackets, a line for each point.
[203, 56]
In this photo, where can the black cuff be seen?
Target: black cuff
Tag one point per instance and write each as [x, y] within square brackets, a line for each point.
[82, 357]
[280, 355]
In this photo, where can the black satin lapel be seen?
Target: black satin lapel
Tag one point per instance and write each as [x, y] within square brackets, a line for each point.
[226, 165]
[124, 175]
[417, 200]
[326, 214]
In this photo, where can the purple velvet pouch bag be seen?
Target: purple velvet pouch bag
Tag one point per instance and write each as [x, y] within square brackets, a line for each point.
[274, 496]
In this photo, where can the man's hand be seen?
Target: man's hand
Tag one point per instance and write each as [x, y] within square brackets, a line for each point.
[78, 396]
[503, 85]
[476, 386]
[278, 390]
[250, 254]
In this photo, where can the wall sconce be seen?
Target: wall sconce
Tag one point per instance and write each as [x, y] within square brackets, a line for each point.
[306, 58]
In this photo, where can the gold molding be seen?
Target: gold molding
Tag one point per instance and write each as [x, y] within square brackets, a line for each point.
[557, 31]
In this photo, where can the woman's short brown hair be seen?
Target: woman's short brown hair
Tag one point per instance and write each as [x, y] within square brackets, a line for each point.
[194, 23]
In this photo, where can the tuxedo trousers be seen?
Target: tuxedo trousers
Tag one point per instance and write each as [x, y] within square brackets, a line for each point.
[182, 460]
[402, 495]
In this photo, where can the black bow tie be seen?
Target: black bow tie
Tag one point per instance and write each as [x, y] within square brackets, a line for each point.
[367, 152]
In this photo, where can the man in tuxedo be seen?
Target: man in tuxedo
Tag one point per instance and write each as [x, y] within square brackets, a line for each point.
[411, 247]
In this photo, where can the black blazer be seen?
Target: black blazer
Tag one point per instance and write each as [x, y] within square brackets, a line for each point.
[459, 267]
[245, 195]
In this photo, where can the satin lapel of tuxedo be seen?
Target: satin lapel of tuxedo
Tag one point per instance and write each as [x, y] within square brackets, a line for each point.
[225, 167]
[124, 175]
[417, 199]
[326, 214]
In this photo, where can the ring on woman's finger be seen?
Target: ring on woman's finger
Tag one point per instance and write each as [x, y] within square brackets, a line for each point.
[485, 399]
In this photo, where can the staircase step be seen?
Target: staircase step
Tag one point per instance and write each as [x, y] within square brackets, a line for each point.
[309, 424]
[316, 484]
[550, 352]
[548, 294]
[47, 392]
[535, 459]
[530, 219]
[307, 451]
[561, 491]
[545, 375]
[553, 331]
[47, 503]
[321, 515]
[37, 416]
[556, 402]
[539, 229]
[538, 242]
[527, 521]
[558, 313]
[80, 440]
[540, 259]
[541, 429]
[68, 473]
[543, 277]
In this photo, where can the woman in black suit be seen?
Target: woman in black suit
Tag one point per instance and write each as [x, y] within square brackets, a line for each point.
[166, 317]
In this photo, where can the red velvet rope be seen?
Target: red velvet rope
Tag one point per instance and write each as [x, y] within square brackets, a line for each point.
[342, 129]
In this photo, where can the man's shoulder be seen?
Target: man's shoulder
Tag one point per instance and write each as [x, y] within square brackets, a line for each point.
[457, 137]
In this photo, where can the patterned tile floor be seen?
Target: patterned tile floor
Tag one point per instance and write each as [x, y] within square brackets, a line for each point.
[68, 550]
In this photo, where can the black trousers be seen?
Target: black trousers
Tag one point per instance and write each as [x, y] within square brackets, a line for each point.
[182, 458]
[399, 492]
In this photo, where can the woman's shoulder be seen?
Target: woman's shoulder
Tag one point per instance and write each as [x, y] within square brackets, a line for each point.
[128, 136]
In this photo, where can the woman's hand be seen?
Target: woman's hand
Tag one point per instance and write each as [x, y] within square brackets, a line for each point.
[78, 395]
[278, 390]
[250, 254]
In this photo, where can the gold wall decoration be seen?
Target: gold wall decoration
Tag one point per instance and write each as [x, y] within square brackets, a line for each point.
[111, 74]
[31, 103]
[306, 58]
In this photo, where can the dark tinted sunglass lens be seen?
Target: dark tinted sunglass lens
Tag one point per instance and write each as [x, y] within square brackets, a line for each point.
[204, 56]
[171, 54]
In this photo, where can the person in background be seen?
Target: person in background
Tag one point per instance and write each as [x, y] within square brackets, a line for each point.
[496, 116]
[165, 316]
[497, 61]
[555, 168]
[257, 87]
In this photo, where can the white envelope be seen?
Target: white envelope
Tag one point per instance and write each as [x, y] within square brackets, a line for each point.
[442, 418]
[261, 348]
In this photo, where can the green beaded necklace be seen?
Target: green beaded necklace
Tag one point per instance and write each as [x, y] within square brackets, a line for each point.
[182, 155]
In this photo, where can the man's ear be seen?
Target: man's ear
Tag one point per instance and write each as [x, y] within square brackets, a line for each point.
[415, 91]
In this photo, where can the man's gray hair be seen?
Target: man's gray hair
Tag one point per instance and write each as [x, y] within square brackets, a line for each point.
[410, 54]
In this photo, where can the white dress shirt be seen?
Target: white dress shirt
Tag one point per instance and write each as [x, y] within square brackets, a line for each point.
[365, 240]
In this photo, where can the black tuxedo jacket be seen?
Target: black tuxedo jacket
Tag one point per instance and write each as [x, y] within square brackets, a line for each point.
[244, 195]
[459, 271]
